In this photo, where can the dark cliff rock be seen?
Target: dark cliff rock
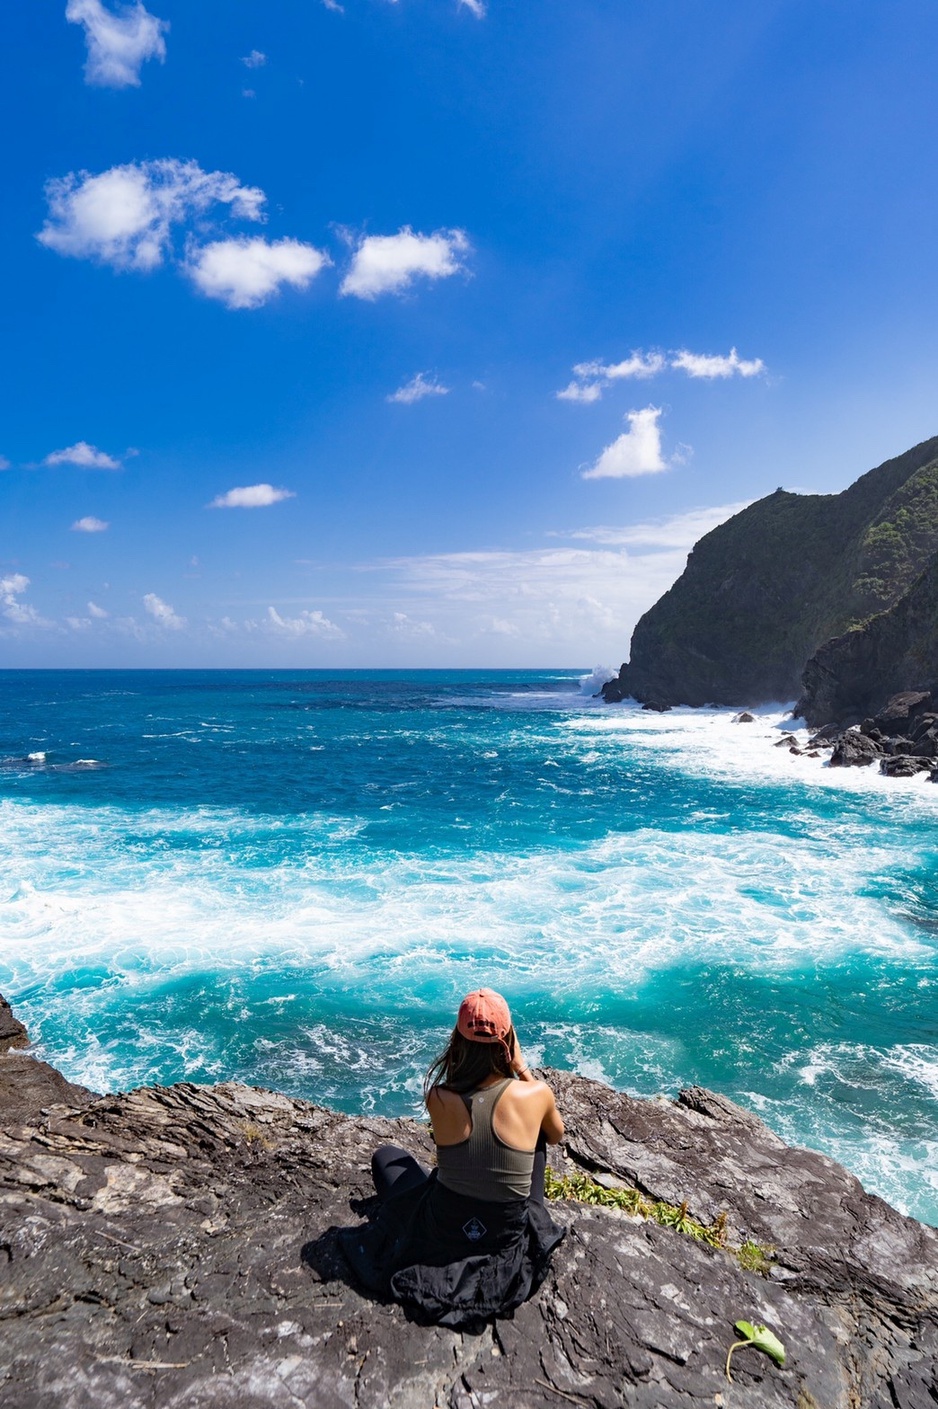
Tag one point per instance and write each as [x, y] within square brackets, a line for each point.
[896, 650]
[12, 1031]
[764, 590]
[176, 1247]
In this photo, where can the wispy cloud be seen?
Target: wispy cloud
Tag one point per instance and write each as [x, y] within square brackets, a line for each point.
[119, 41]
[85, 456]
[255, 59]
[12, 608]
[700, 364]
[636, 451]
[244, 273]
[250, 496]
[591, 378]
[389, 264]
[5, 463]
[476, 7]
[423, 384]
[674, 531]
[89, 524]
[163, 613]
[97, 612]
[125, 216]
[306, 624]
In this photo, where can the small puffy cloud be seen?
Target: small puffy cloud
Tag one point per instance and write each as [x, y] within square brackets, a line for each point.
[699, 364]
[388, 264]
[119, 41]
[591, 377]
[580, 391]
[306, 624]
[78, 623]
[163, 613]
[124, 216]
[97, 612]
[417, 388]
[244, 273]
[250, 496]
[89, 524]
[636, 452]
[255, 59]
[85, 456]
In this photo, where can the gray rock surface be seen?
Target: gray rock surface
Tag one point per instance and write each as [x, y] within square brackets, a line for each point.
[12, 1031]
[175, 1247]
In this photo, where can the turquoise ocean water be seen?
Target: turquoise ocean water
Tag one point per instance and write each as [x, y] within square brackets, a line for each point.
[290, 878]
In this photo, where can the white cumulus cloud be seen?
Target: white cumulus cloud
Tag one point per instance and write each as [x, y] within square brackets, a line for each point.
[85, 456]
[124, 216]
[250, 496]
[306, 624]
[244, 273]
[255, 59]
[636, 451]
[163, 613]
[699, 364]
[89, 524]
[384, 264]
[119, 41]
[417, 388]
[97, 612]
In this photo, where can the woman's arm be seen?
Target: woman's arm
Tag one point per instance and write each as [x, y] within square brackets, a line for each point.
[551, 1123]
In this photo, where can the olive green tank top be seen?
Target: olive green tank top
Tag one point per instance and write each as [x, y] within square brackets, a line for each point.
[483, 1166]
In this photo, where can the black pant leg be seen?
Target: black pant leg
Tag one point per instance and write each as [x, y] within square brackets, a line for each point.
[540, 1166]
[395, 1171]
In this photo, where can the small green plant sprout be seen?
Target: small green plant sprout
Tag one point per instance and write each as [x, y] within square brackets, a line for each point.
[762, 1338]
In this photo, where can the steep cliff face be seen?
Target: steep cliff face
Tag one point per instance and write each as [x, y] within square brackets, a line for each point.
[764, 590]
[852, 676]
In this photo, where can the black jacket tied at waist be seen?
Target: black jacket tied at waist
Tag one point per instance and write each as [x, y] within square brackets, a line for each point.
[452, 1260]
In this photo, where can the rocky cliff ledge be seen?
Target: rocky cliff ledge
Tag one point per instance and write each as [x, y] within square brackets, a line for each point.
[174, 1247]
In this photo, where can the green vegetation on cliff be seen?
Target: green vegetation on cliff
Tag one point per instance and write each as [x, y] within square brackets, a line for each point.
[764, 590]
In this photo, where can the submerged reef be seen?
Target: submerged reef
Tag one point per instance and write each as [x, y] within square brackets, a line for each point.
[176, 1247]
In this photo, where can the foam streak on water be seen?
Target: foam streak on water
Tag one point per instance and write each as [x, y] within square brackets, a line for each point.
[291, 880]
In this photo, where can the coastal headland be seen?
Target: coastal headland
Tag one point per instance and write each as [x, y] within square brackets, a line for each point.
[175, 1246]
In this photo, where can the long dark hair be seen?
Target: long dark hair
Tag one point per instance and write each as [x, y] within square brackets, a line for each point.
[465, 1065]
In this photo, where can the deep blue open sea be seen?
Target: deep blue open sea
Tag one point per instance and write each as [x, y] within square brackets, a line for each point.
[290, 878]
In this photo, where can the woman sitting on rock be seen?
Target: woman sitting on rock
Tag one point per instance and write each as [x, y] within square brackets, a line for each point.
[471, 1239]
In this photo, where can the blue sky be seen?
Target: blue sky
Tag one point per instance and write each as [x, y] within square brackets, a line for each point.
[434, 332]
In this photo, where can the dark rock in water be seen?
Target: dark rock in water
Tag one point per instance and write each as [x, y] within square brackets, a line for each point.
[613, 692]
[12, 1031]
[175, 1248]
[854, 750]
[744, 718]
[654, 705]
[830, 734]
[901, 708]
[786, 741]
[904, 766]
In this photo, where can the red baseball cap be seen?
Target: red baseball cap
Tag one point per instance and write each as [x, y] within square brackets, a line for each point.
[484, 1016]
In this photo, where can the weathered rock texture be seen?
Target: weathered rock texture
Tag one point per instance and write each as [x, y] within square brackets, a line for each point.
[897, 650]
[175, 1247]
[763, 591]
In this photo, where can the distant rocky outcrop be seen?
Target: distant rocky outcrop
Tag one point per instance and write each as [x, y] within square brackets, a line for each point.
[176, 1247]
[765, 590]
